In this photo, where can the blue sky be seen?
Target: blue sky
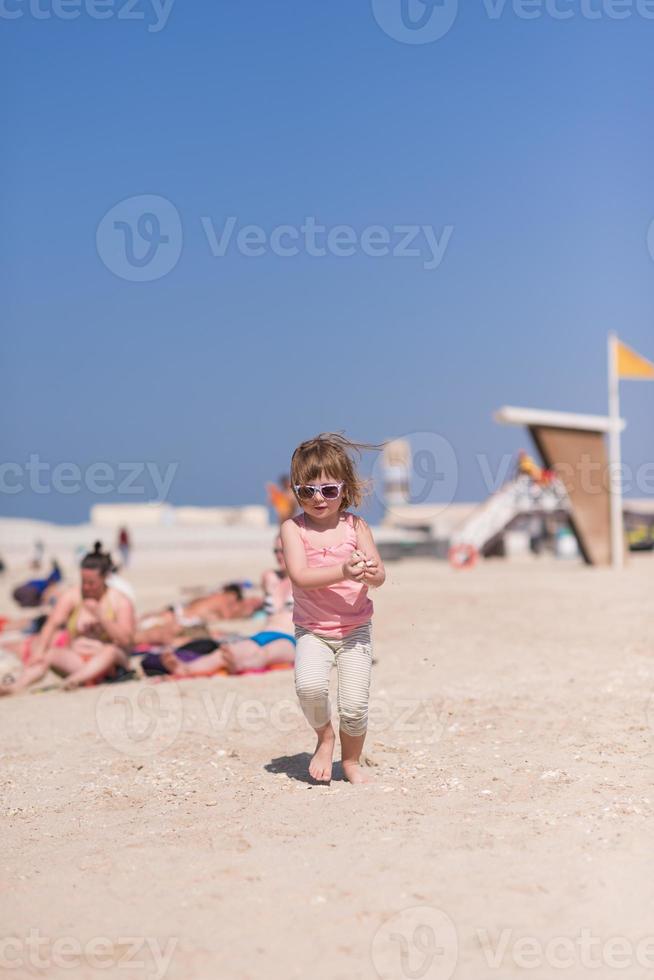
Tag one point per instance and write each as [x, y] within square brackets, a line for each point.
[529, 139]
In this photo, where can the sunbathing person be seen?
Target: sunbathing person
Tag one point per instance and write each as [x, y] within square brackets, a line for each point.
[39, 595]
[258, 652]
[87, 634]
[38, 591]
[272, 646]
[170, 624]
[228, 603]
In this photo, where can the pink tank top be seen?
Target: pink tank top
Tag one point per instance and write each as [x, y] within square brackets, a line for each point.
[336, 610]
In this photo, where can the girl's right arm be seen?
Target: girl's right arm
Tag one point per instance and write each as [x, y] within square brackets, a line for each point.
[55, 621]
[312, 578]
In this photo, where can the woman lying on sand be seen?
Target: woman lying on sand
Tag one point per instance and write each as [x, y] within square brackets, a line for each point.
[168, 625]
[272, 646]
[38, 591]
[259, 652]
[87, 634]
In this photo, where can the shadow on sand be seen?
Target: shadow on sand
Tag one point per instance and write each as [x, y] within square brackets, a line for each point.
[297, 767]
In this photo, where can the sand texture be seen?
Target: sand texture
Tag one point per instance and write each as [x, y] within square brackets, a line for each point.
[511, 746]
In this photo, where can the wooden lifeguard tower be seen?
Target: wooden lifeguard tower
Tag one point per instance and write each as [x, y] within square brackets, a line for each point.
[574, 447]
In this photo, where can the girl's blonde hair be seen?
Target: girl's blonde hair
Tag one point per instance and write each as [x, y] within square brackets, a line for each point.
[331, 453]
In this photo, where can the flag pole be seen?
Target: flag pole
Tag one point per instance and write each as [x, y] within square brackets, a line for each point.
[615, 456]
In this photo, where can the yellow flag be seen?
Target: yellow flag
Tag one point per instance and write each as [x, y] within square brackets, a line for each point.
[632, 365]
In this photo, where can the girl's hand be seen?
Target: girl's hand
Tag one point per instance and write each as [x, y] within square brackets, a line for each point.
[354, 567]
[371, 569]
[370, 566]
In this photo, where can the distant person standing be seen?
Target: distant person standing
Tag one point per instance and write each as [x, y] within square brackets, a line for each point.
[124, 545]
[37, 557]
[282, 499]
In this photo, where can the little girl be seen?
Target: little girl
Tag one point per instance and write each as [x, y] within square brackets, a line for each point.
[331, 559]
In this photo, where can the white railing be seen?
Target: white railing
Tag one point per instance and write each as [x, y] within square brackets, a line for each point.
[519, 496]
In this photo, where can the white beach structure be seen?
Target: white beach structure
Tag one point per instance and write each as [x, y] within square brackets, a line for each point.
[573, 445]
[166, 515]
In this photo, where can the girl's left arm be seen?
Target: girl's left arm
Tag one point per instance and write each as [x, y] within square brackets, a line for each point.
[376, 574]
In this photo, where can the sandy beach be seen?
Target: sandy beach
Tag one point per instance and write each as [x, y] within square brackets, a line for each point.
[170, 830]
[308, 305]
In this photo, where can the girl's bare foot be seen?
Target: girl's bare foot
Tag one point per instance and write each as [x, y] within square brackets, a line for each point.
[354, 772]
[320, 767]
[351, 749]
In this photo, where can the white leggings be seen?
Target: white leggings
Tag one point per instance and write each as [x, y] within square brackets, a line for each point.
[314, 658]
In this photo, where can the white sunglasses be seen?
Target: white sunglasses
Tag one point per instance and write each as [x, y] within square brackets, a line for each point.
[328, 491]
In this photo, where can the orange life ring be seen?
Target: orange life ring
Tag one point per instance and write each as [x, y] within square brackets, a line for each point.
[463, 556]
